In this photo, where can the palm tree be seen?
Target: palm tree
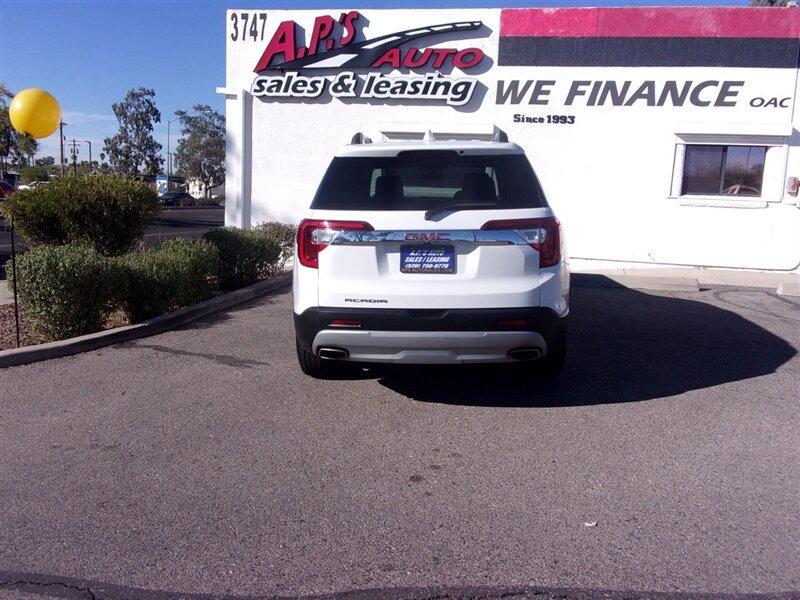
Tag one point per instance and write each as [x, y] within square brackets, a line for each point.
[5, 93]
[6, 134]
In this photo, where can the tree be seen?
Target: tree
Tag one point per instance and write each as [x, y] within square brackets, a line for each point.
[8, 134]
[35, 173]
[133, 150]
[24, 150]
[7, 137]
[15, 147]
[769, 2]
[201, 150]
[87, 168]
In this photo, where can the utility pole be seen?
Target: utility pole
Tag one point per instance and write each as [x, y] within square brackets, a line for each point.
[61, 139]
[74, 151]
[169, 156]
[90, 155]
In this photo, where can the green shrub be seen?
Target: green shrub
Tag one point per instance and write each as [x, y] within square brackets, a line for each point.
[107, 212]
[203, 201]
[284, 234]
[178, 273]
[66, 290]
[244, 256]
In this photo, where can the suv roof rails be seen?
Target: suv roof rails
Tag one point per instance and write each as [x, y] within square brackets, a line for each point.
[394, 132]
[360, 138]
[499, 135]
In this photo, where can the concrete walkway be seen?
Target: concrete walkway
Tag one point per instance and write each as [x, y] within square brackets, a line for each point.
[6, 297]
[787, 284]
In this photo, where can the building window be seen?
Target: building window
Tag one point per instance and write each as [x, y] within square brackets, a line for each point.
[723, 170]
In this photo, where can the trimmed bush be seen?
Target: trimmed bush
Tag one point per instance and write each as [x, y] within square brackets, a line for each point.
[284, 234]
[106, 212]
[66, 290]
[202, 201]
[178, 273]
[244, 256]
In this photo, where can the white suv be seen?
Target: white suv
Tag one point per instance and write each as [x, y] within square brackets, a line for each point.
[430, 252]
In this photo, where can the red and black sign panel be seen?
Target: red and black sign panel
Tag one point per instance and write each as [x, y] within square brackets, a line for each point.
[647, 37]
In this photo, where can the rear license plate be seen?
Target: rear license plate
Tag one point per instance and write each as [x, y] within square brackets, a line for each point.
[427, 259]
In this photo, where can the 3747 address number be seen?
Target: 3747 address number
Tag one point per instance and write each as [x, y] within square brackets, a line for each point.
[248, 26]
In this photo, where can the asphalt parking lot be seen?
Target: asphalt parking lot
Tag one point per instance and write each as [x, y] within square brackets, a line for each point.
[663, 463]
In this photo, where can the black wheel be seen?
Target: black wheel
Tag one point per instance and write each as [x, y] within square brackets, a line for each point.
[551, 366]
[318, 368]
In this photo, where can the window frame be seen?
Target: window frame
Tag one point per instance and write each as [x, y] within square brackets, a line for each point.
[773, 179]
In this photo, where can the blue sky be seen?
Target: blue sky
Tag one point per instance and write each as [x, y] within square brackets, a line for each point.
[88, 54]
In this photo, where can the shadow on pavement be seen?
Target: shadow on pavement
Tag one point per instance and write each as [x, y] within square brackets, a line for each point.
[73, 588]
[226, 360]
[624, 346]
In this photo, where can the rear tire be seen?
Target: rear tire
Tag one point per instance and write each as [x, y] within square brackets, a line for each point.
[551, 366]
[318, 368]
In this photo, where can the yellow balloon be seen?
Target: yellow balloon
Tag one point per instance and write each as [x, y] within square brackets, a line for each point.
[35, 112]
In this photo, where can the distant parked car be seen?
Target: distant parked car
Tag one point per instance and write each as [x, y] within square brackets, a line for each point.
[178, 199]
[32, 185]
[741, 190]
[5, 189]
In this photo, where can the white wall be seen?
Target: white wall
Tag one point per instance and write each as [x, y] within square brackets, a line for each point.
[609, 176]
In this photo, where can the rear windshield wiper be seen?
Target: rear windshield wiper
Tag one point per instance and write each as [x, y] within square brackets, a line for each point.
[456, 205]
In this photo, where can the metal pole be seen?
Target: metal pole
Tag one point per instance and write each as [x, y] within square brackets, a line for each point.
[90, 154]
[14, 278]
[169, 158]
[61, 133]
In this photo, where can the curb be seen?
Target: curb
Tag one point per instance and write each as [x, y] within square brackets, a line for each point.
[664, 284]
[789, 287]
[92, 341]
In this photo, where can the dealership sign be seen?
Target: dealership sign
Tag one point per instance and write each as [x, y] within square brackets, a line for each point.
[359, 67]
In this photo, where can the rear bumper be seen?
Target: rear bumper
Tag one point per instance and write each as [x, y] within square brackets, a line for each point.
[432, 336]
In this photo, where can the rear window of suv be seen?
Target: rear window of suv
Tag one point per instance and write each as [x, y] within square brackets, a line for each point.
[424, 179]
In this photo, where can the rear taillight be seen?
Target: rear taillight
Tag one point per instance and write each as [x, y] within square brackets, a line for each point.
[314, 236]
[353, 323]
[543, 235]
[512, 323]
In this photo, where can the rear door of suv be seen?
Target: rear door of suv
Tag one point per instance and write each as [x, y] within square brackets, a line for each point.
[428, 228]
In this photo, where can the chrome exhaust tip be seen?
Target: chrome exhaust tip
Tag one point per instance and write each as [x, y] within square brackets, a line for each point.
[525, 353]
[333, 353]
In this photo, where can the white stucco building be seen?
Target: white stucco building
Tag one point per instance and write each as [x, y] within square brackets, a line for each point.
[664, 136]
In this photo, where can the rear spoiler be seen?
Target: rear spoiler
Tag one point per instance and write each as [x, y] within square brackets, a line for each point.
[462, 133]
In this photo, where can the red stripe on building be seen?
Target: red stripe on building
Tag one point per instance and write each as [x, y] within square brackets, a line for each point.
[651, 22]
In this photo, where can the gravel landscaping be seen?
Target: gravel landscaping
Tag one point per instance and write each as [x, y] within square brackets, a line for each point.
[28, 337]
[8, 337]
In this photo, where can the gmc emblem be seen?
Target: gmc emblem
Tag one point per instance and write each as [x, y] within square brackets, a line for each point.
[433, 236]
